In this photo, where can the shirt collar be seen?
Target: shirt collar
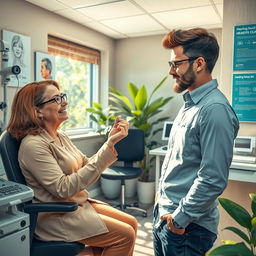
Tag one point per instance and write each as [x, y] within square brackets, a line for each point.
[192, 98]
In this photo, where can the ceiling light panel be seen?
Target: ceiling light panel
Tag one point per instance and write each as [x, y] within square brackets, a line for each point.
[135, 24]
[164, 5]
[110, 11]
[188, 17]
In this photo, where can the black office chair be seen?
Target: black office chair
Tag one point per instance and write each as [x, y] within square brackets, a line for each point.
[9, 148]
[130, 149]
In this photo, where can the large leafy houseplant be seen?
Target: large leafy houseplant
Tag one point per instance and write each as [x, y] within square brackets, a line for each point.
[246, 220]
[142, 111]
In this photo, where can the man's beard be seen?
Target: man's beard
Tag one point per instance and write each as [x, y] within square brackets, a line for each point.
[185, 81]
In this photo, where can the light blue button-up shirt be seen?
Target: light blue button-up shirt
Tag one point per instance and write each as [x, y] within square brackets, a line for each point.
[200, 150]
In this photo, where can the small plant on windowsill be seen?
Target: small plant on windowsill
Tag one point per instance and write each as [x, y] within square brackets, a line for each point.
[103, 117]
[242, 217]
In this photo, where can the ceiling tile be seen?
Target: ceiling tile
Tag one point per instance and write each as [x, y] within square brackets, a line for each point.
[199, 16]
[52, 5]
[103, 29]
[218, 1]
[110, 11]
[79, 3]
[165, 5]
[135, 24]
[74, 15]
[151, 33]
[220, 9]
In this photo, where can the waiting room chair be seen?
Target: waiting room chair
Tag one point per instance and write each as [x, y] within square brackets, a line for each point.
[9, 148]
[130, 149]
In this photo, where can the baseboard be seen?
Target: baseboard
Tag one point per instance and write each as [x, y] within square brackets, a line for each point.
[95, 192]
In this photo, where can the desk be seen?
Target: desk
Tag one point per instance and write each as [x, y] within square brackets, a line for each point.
[238, 171]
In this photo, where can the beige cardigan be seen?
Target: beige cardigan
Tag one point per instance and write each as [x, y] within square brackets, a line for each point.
[62, 173]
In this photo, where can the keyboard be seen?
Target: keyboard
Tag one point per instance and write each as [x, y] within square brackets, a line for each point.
[12, 193]
[244, 159]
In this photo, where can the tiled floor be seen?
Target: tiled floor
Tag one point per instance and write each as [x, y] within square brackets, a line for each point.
[144, 246]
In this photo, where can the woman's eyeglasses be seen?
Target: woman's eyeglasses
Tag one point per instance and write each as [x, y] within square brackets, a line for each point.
[58, 99]
[173, 64]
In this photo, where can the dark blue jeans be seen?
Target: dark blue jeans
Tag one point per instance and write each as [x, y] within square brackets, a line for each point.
[196, 240]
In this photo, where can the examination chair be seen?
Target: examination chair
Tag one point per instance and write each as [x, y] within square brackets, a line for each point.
[130, 149]
[9, 148]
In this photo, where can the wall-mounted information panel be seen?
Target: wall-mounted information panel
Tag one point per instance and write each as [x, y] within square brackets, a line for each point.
[244, 48]
[244, 96]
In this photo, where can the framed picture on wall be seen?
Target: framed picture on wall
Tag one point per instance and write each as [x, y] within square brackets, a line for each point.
[44, 66]
[19, 54]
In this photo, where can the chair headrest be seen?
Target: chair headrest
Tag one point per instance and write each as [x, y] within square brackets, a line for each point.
[9, 148]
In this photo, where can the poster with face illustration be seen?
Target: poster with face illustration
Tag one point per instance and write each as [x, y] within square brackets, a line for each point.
[19, 54]
[44, 66]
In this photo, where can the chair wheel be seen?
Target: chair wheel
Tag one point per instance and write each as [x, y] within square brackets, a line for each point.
[144, 214]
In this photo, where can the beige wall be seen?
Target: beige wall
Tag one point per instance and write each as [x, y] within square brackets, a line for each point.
[236, 12]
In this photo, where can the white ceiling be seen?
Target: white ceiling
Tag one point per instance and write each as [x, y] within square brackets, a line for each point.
[131, 18]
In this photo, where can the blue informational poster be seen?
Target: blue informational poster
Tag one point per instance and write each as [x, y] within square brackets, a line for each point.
[244, 96]
[244, 47]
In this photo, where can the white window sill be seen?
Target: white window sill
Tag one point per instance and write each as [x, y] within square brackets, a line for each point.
[84, 135]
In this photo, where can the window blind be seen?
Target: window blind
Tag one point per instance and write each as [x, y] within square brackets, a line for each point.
[58, 46]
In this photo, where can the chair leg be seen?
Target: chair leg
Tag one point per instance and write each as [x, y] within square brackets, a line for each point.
[123, 206]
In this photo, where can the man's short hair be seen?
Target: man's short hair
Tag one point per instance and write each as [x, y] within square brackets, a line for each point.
[48, 64]
[195, 42]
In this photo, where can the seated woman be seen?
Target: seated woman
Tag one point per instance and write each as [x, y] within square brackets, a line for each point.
[57, 171]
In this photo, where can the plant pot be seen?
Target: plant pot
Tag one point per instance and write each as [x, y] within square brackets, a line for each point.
[131, 188]
[146, 192]
[110, 188]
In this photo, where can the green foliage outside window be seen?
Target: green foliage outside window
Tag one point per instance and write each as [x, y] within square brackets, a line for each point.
[74, 79]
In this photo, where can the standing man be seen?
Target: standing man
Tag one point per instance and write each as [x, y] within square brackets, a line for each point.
[196, 167]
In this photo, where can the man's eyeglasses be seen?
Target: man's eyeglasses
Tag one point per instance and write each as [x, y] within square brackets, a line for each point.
[173, 64]
[58, 99]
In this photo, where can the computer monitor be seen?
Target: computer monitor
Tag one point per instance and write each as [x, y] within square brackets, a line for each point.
[244, 144]
[166, 130]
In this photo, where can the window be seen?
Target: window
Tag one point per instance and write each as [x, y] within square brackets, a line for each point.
[77, 71]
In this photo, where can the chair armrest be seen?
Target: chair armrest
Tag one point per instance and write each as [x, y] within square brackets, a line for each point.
[50, 207]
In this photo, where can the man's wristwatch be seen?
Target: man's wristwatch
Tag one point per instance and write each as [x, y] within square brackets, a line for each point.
[176, 225]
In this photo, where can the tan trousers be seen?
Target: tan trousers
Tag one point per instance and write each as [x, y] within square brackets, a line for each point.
[120, 239]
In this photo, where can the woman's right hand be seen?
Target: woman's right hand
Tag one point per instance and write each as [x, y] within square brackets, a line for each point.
[118, 131]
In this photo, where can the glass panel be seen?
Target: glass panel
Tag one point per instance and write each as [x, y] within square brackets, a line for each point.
[74, 79]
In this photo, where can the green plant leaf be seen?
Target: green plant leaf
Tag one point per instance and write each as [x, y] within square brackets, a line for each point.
[237, 212]
[122, 104]
[133, 90]
[253, 231]
[156, 104]
[158, 86]
[253, 205]
[97, 105]
[115, 91]
[239, 233]
[141, 98]
[238, 249]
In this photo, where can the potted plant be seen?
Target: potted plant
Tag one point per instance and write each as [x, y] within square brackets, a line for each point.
[246, 220]
[141, 110]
